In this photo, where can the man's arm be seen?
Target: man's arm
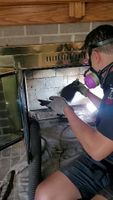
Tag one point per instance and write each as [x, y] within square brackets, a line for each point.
[93, 98]
[87, 93]
[94, 143]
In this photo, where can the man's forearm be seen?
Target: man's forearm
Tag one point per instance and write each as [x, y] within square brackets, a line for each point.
[84, 133]
[94, 99]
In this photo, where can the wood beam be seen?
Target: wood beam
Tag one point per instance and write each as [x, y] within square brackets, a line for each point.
[56, 13]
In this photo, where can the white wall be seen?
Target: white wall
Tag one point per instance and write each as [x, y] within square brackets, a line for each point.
[41, 84]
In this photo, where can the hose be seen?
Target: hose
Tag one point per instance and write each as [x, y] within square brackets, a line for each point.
[35, 163]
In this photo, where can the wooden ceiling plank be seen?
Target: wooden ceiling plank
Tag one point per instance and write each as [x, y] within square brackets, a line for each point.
[38, 2]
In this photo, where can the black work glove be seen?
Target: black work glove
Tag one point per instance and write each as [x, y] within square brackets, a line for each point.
[69, 91]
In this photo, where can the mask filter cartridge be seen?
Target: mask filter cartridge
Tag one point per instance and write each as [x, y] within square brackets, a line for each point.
[91, 80]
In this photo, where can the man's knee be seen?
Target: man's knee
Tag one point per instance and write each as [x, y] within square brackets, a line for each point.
[41, 193]
[98, 197]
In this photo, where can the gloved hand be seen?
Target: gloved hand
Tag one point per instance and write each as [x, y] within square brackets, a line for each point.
[69, 91]
[80, 87]
[57, 104]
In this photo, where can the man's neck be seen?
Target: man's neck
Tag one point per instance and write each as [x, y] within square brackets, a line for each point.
[106, 60]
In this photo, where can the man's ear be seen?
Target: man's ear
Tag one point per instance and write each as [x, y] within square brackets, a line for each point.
[97, 56]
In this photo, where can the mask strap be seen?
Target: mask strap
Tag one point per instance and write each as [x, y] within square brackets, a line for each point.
[86, 71]
[90, 64]
[89, 53]
[107, 70]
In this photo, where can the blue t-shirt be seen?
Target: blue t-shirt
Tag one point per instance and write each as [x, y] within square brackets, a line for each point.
[104, 121]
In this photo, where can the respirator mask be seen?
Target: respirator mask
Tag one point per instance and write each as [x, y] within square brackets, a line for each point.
[92, 78]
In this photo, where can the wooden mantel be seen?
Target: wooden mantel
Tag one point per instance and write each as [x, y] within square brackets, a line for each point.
[20, 12]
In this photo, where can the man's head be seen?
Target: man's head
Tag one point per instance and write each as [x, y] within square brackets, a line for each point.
[98, 47]
[100, 38]
[100, 43]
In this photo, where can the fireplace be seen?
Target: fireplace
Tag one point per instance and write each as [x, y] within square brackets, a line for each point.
[38, 72]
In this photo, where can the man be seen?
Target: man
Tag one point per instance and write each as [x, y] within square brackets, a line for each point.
[91, 173]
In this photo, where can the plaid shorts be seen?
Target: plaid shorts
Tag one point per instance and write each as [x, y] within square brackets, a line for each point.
[89, 176]
[107, 192]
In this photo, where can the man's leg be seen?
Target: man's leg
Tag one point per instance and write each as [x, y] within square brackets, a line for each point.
[99, 197]
[57, 187]
[82, 177]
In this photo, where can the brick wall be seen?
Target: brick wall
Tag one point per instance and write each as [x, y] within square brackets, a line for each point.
[38, 34]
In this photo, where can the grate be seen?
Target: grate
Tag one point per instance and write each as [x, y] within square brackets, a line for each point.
[61, 58]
